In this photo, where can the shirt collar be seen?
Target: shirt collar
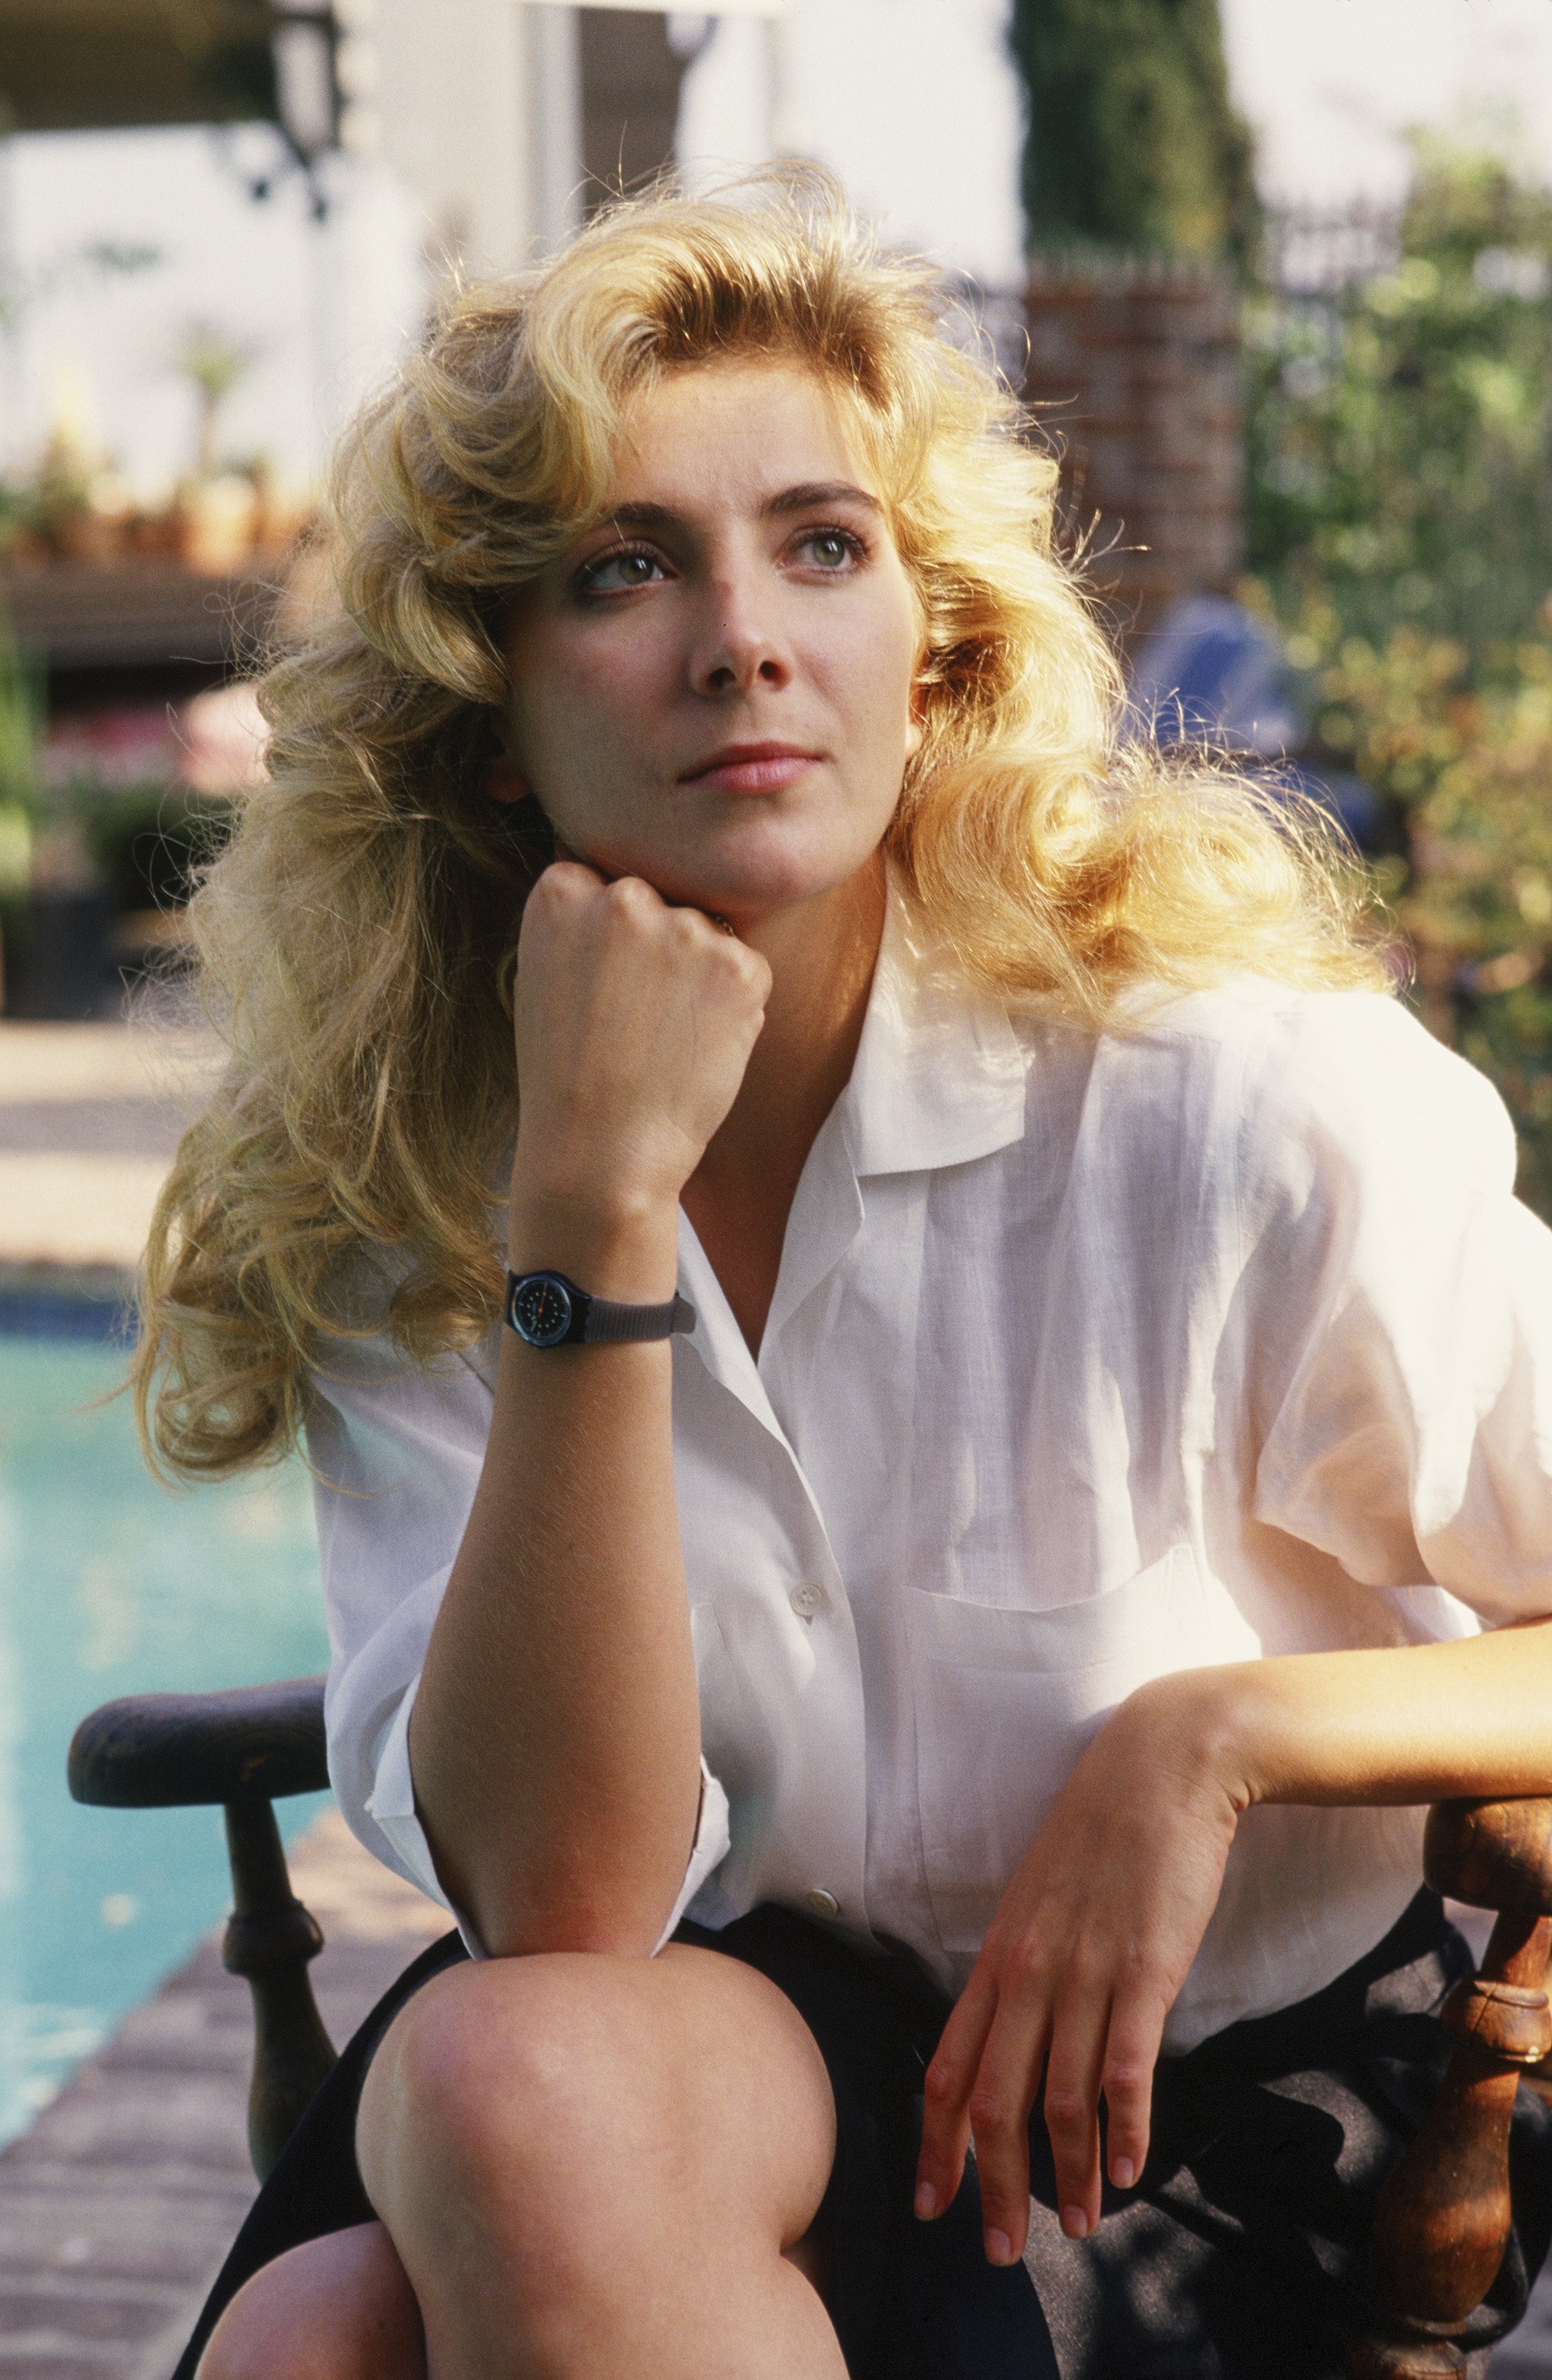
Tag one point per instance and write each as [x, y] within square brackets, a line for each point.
[940, 1073]
[938, 1079]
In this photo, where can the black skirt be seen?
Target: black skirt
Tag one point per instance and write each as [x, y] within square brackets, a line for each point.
[1239, 2256]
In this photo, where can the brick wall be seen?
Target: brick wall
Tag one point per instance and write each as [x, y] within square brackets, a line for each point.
[1133, 370]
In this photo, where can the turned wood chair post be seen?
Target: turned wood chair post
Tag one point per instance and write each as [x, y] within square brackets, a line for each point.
[241, 1749]
[1443, 2217]
[269, 1940]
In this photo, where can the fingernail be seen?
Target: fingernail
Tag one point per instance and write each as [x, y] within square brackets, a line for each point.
[998, 2248]
[926, 2201]
[1074, 2222]
[1123, 2173]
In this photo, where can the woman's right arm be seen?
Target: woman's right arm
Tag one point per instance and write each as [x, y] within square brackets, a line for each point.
[555, 1737]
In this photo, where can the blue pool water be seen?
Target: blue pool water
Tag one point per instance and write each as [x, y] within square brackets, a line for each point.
[109, 1586]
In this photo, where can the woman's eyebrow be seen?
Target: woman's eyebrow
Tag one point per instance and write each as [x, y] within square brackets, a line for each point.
[790, 499]
[821, 492]
[642, 517]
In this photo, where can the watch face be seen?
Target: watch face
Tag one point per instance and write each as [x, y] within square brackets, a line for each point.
[541, 1309]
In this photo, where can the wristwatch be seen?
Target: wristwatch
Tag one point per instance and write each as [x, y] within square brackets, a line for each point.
[547, 1310]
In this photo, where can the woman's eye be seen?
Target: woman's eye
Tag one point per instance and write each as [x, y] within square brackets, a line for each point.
[618, 573]
[832, 549]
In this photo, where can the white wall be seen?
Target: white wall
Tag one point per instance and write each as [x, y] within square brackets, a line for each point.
[448, 97]
[913, 102]
[476, 108]
[1332, 85]
[458, 91]
[323, 306]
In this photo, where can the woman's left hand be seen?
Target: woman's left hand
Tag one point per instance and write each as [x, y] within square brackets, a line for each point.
[1089, 1947]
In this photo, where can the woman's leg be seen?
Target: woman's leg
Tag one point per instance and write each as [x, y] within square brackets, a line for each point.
[597, 2167]
[339, 2308]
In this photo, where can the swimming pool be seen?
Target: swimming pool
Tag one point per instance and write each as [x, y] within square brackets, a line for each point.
[108, 1586]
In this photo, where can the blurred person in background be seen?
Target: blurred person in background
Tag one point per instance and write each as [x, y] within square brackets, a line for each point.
[929, 1407]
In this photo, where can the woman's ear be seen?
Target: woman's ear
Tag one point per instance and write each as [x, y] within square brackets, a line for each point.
[504, 782]
[916, 727]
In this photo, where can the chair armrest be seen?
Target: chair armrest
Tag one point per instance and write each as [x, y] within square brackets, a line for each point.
[149, 1751]
[243, 1748]
[1443, 2216]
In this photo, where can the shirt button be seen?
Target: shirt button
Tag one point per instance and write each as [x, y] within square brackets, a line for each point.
[808, 1599]
[823, 1904]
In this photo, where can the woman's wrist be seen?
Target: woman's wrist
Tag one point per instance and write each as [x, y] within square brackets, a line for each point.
[1288, 1727]
[1199, 1724]
[615, 1245]
[1379, 1725]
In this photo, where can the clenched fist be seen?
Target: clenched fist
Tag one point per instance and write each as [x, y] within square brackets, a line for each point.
[635, 1023]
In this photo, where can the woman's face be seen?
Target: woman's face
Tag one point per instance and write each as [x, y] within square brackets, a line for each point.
[712, 689]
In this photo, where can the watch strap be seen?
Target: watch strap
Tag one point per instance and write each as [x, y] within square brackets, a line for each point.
[607, 1322]
[548, 1309]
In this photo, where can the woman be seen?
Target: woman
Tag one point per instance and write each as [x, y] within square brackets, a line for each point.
[1021, 1376]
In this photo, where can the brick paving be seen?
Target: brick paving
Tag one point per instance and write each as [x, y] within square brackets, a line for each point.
[89, 1116]
[119, 2206]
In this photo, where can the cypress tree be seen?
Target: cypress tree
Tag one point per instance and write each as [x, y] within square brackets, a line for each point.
[1133, 142]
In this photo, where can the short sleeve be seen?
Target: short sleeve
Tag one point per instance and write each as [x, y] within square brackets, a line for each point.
[1397, 1311]
[391, 1812]
[396, 1452]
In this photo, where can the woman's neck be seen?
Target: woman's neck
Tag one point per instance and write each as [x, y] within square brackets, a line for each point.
[821, 957]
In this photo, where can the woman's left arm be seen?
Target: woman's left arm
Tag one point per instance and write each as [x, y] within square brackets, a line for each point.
[1092, 1940]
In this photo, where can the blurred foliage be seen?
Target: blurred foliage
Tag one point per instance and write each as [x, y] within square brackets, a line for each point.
[1399, 458]
[214, 364]
[1458, 748]
[141, 840]
[149, 840]
[1401, 516]
[21, 712]
[139, 843]
[1132, 141]
[126, 849]
[22, 715]
[57, 491]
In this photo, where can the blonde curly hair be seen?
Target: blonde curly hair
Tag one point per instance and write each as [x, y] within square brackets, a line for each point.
[356, 934]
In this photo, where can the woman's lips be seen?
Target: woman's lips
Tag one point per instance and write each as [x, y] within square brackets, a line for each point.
[752, 767]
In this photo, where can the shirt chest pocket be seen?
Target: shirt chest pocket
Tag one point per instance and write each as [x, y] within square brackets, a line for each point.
[1005, 1701]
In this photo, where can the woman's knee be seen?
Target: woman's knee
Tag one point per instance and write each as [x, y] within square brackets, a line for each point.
[556, 2140]
[499, 2135]
[564, 2086]
[339, 2308]
[490, 2067]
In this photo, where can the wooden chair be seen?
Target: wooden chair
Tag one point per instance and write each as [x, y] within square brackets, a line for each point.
[1443, 2216]
[245, 1749]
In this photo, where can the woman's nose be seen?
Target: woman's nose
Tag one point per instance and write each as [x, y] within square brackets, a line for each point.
[741, 649]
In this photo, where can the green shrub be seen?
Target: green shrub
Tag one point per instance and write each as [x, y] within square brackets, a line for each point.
[1400, 429]
[1132, 143]
[1399, 464]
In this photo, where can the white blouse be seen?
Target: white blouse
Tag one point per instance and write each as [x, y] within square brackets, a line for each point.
[1091, 1358]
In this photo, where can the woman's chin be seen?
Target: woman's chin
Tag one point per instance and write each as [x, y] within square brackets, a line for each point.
[745, 886]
